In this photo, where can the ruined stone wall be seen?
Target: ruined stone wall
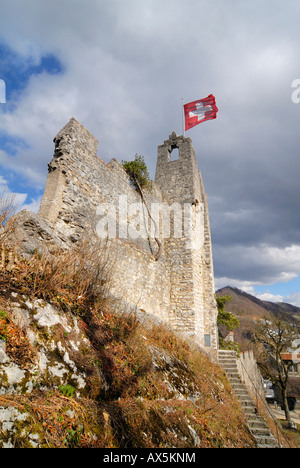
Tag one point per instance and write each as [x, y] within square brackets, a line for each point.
[139, 281]
[85, 197]
[78, 184]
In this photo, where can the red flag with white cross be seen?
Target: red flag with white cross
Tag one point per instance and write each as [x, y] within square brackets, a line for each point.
[199, 111]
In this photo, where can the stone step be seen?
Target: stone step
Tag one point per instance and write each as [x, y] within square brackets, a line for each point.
[267, 446]
[227, 364]
[241, 394]
[236, 381]
[260, 431]
[233, 375]
[224, 365]
[246, 398]
[230, 367]
[266, 441]
[238, 386]
[226, 358]
[255, 422]
[250, 411]
[247, 404]
[239, 389]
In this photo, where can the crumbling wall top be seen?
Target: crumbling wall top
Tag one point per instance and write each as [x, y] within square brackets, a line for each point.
[74, 131]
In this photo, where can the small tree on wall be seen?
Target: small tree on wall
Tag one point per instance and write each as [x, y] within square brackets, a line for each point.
[139, 178]
[138, 172]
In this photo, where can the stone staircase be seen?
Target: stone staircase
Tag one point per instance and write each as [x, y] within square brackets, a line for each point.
[256, 423]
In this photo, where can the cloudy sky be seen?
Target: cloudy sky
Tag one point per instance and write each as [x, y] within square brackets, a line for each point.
[121, 68]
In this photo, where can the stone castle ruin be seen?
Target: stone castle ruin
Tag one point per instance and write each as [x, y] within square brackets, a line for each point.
[85, 196]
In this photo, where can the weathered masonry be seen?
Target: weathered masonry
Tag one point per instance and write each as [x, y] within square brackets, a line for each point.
[83, 193]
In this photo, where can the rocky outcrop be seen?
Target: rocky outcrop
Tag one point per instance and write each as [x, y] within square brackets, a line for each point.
[106, 379]
[45, 350]
[30, 233]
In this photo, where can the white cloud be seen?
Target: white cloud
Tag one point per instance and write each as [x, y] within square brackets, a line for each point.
[293, 298]
[270, 297]
[260, 264]
[126, 67]
[247, 286]
[3, 183]
[33, 205]
[18, 199]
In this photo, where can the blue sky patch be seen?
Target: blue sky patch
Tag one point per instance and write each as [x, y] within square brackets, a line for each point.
[17, 183]
[282, 289]
[16, 70]
[11, 145]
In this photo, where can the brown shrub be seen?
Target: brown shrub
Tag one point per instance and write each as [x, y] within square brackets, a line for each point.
[71, 279]
[7, 210]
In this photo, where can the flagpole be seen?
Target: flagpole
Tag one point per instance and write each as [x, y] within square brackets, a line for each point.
[183, 132]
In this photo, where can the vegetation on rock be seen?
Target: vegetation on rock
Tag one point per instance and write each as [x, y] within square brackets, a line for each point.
[138, 172]
[78, 371]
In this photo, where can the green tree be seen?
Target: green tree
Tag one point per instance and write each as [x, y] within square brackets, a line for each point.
[138, 172]
[228, 320]
[275, 336]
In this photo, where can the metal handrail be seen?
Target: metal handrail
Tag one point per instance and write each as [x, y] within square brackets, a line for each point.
[262, 399]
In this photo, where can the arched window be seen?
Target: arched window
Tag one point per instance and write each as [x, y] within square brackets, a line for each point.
[174, 153]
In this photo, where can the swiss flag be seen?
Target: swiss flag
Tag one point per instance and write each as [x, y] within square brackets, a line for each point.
[198, 111]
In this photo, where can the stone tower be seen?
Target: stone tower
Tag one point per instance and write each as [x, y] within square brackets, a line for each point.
[192, 299]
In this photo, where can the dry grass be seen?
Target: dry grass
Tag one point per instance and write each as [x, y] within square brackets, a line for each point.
[59, 421]
[69, 279]
[149, 405]
[7, 210]
[293, 435]
[141, 404]
[17, 345]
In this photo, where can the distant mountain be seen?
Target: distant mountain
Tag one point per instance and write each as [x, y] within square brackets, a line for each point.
[249, 308]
